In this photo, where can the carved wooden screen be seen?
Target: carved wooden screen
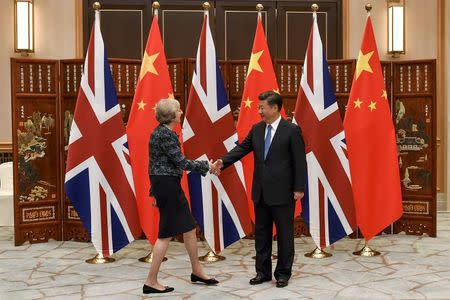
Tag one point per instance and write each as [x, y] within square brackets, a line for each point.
[43, 110]
[177, 73]
[37, 184]
[237, 71]
[414, 99]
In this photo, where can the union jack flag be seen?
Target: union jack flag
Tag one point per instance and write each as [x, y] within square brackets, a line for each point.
[99, 181]
[219, 204]
[328, 205]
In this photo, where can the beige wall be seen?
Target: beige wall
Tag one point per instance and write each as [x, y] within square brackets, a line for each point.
[420, 26]
[6, 51]
[54, 38]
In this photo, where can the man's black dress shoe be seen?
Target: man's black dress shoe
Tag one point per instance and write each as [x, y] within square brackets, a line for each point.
[149, 290]
[211, 281]
[281, 283]
[258, 279]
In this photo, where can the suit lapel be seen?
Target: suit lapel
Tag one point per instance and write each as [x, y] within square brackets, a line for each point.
[276, 137]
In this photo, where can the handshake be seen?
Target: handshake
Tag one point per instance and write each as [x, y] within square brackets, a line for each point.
[214, 167]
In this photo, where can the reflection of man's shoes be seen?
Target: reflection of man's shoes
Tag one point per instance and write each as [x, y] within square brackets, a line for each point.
[281, 283]
[211, 281]
[258, 279]
[149, 290]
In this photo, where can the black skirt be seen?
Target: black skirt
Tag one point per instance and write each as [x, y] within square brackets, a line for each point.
[174, 214]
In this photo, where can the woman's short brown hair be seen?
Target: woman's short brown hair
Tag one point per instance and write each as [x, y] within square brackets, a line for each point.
[165, 111]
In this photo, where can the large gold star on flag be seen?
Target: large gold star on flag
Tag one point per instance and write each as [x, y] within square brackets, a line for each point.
[363, 63]
[254, 64]
[148, 64]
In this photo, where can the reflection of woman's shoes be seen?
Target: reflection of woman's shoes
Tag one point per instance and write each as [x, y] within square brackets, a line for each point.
[149, 290]
[211, 281]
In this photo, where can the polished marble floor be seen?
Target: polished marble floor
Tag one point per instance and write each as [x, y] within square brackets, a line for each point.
[410, 267]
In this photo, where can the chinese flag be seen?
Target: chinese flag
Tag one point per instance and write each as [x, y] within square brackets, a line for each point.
[260, 78]
[372, 149]
[154, 84]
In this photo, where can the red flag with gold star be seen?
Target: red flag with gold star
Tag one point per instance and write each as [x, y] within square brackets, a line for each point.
[260, 78]
[154, 84]
[371, 144]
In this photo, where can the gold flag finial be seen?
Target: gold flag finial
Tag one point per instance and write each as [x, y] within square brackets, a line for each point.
[259, 7]
[368, 7]
[206, 5]
[96, 5]
[314, 7]
[156, 5]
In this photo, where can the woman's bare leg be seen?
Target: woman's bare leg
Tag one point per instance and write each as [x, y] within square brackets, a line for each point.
[159, 251]
[190, 242]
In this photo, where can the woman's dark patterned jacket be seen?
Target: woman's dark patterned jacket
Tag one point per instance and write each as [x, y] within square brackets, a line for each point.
[166, 157]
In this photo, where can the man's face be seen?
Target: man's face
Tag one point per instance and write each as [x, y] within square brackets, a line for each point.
[268, 113]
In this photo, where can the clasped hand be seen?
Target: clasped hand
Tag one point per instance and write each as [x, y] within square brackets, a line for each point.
[215, 168]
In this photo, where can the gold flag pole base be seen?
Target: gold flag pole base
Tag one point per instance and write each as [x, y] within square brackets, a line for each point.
[149, 258]
[318, 254]
[211, 257]
[366, 251]
[100, 259]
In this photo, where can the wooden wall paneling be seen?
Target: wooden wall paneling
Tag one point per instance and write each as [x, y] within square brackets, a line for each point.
[125, 73]
[236, 25]
[124, 25]
[414, 99]
[181, 23]
[386, 68]
[341, 72]
[177, 73]
[35, 118]
[294, 20]
[236, 74]
[288, 74]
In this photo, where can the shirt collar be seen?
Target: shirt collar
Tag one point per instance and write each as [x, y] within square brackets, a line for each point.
[275, 124]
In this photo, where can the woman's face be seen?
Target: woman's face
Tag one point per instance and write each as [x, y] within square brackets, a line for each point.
[178, 113]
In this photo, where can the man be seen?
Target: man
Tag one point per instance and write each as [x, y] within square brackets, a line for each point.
[278, 181]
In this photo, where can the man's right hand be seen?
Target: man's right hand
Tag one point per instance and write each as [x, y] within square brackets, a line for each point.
[215, 167]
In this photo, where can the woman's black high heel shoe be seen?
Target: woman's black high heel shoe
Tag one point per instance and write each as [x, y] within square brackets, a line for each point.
[149, 290]
[211, 281]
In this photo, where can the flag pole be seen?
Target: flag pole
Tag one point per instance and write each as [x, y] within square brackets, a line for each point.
[367, 251]
[99, 258]
[149, 257]
[210, 256]
[318, 254]
[259, 9]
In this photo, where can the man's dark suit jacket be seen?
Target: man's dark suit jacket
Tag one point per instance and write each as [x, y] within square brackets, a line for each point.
[284, 169]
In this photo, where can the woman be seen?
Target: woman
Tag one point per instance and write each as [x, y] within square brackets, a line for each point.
[166, 166]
